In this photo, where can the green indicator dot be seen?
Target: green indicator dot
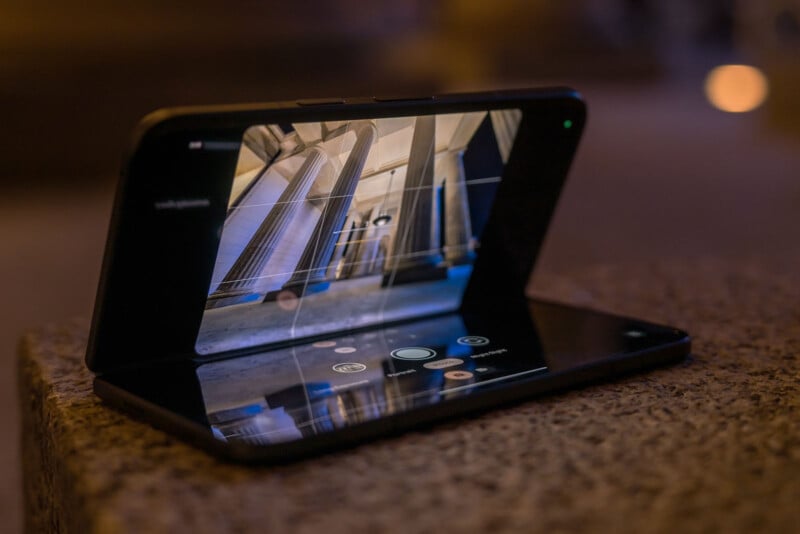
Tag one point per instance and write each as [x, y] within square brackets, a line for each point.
[567, 124]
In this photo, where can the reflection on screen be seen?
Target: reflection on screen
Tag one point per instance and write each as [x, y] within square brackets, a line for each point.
[333, 226]
[308, 389]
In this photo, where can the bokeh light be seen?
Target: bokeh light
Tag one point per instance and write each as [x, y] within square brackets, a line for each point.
[736, 88]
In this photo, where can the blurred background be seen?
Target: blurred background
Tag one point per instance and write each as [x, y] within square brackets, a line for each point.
[679, 160]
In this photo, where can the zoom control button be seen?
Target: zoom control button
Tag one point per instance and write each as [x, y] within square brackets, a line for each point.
[441, 364]
[473, 341]
[349, 367]
[458, 375]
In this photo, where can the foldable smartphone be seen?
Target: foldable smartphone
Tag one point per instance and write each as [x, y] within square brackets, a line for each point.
[288, 278]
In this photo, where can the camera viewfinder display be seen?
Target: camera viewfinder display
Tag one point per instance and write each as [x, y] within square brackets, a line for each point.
[333, 226]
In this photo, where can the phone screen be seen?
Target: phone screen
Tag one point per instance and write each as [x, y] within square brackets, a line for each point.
[336, 226]
[317, 388]
[313, 388]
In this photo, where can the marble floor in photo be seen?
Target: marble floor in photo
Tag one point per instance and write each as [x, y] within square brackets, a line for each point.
[344, 305]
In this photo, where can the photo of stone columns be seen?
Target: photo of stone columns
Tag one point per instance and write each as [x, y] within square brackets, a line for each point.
[374, 213]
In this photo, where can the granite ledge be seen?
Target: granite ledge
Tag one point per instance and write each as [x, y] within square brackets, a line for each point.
[711, 444]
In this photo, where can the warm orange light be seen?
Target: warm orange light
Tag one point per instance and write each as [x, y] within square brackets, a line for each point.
[736, 88]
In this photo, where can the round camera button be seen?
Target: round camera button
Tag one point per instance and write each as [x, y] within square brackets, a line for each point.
[413, 353]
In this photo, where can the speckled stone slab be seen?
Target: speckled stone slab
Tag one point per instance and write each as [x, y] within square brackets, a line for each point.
[708, 445]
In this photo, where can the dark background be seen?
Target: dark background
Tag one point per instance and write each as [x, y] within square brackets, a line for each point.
[660, 173]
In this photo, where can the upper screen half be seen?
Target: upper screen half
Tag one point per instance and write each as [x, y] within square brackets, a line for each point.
[333, 226]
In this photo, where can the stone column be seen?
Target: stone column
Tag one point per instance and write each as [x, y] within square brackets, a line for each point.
[364, 257]
[505, 123]
[383, 251]
[311, 270]
[334, 272]
[241, 277]
[457, 224]
[264, 141]
[355, 246]
[416, 253]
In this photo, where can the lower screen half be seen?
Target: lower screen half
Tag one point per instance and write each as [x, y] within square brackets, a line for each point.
[334, 226]
[308, 389]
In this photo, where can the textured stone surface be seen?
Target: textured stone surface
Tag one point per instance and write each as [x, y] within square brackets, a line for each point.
[708, 445]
